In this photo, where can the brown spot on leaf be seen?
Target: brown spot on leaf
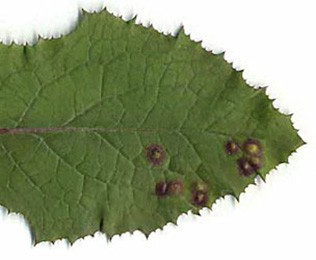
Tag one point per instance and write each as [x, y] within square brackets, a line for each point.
[256, 162]
[199, 193]
[174, 187]
[253, 147]
[161, 188]
[199, 197]
[155, 154]
[232, 147]
[244, 166]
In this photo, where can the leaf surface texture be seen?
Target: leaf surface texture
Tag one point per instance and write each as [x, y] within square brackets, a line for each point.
[80, 117]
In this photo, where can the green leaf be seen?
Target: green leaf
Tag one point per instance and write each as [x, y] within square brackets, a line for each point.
[117, 128]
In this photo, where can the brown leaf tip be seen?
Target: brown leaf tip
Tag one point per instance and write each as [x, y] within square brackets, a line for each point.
[155, 154]
[253, 147]
[232, 147]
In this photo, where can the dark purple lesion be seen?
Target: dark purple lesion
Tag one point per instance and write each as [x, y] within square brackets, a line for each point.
[161, 188]
[256, 162]
[251, 158]
[171, 187]
[199, 198]
[199, 193]
[245, 166]
[232, 147]
[253, 147]
[155, 154]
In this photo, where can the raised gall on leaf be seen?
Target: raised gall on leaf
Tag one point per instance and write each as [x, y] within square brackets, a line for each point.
[244, 166]
[155, 154]
[253, 147]
[161, 188]
[174, 187]
[232, 147]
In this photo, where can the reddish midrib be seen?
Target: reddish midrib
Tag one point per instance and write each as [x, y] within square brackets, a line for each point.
[15, 130]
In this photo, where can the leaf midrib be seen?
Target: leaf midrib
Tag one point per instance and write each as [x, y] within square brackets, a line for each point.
[35, 130]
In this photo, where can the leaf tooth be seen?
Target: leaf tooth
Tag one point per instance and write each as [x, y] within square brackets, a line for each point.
[133, 20]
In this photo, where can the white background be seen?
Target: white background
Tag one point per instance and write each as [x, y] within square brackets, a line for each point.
[274, 42]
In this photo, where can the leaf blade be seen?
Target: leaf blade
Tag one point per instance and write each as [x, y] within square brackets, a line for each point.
[87, 106]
